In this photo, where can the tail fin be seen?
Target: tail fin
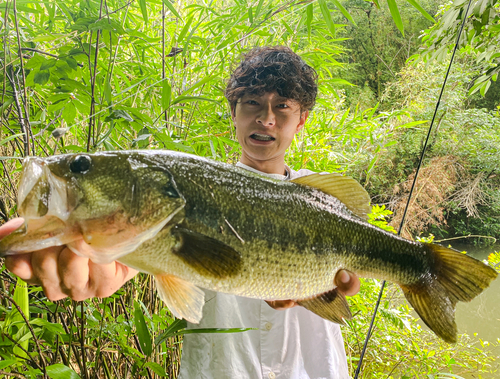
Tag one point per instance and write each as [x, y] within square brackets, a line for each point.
[457, 277]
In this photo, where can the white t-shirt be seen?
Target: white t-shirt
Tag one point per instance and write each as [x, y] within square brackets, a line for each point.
[289, 344]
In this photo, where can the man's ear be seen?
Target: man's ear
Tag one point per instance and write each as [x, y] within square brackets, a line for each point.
[233, 111]
[302, 122]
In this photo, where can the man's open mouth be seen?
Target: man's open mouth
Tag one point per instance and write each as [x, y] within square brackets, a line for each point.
[262, 137]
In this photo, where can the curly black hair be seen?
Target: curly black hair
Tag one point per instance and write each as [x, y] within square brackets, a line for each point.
[269, 69]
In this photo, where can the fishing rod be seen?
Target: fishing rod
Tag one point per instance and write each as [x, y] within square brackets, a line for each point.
[424, 149]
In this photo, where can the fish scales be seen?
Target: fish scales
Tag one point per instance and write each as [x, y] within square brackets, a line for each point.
[193, 222]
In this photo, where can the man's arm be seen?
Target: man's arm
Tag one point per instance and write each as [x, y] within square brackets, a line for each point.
[62, 273]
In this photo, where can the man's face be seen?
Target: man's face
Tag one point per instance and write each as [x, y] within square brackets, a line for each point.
[266, 124]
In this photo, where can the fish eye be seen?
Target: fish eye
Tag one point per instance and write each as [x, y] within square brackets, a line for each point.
[80, 164]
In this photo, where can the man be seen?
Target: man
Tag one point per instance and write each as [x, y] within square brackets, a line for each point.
[270, 93]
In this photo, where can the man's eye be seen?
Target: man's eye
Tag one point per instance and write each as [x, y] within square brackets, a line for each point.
[283, 105]
[252, 102]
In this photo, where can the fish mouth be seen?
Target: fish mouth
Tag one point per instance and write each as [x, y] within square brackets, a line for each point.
[44, 204]
[262, 137]
[41, 193]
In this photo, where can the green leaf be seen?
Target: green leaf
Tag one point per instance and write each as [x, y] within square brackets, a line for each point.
[120, 113]
[421, 10]
[310, 14]
[186, 99]
[7, 102]
[171, 330]
[395, 15]
[215, 330]
[485, 88]
[71, 62]
[10, 138]
[327, 16]
[7, 363]
[170, 6]
[107, 91]
[60, 371]
[344, 11]
[53, 327]
[144, 10]
[166, 93]
[185, 29]
[22, 300]
[142, 330]
[44, 38]
[159, 370]
[257, 10]
[69, 113]
[199, 83]
[42, 77]
[48, 63]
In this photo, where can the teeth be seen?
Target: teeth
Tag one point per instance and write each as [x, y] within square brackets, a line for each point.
[262, 137]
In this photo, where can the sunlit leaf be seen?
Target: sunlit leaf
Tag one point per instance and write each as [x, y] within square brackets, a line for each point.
[170, 6]
[10, 138]
[166, 92]
[185, 99]
[60, 371]
[309, 12]
[421, 10]
[142, 330]
[144, 10]
[395, 15]
[344, 11]
[42, 77]
[327, 16]
[158, 370]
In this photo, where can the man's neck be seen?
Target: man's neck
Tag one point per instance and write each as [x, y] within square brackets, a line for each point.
[273, 166]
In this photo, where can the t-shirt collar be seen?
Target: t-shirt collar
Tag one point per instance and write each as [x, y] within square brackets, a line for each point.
[274, 176]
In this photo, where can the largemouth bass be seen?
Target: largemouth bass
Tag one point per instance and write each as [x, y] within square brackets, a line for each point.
[195, 223]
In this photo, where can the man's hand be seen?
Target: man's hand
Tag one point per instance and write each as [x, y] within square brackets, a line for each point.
[347, 283]
[62, 273]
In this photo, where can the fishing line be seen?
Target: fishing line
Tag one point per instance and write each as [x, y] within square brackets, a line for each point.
[370, 328]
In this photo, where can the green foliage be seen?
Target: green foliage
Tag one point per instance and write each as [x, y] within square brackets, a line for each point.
[494, 260]
[480, 38]
[378, 217]
[377, 50]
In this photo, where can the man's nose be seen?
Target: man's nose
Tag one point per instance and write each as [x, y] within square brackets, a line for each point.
[266, 116]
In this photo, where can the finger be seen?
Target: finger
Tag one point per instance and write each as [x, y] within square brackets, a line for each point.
[106, 279]
[347, 282]
[45, 269]
[74, 272]
[281, 304]
[20, 265]
[10, 226]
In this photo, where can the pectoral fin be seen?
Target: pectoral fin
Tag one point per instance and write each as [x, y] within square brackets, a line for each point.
[330, 305]
[182, 298]
[206, 255]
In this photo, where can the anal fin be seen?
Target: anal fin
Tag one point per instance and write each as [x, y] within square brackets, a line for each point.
[330, 305]
[183, 299]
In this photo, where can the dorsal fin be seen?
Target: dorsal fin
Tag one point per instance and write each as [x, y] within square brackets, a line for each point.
[344, 188]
